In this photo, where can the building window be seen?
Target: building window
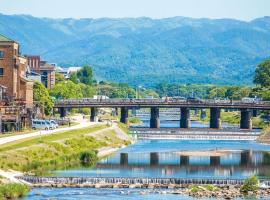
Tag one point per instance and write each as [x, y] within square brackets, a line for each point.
[2, 54]
[1, 71]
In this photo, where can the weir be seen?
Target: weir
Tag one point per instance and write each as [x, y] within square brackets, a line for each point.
[60, 181]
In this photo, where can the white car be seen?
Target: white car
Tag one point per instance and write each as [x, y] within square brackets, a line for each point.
[42, 124]
[54, 124]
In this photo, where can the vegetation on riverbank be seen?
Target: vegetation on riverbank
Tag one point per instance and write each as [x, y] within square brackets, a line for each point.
[232, 118]
[13, 191]
[265, 135]
[42, 154]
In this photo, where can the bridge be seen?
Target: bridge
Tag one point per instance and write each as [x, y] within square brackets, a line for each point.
[215, 107]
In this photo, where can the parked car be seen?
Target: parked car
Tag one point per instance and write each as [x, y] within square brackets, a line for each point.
[54, 123]
[42, 124]
[194, 100]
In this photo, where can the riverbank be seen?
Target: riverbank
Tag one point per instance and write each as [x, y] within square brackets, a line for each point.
[40, 155]
[265, 136]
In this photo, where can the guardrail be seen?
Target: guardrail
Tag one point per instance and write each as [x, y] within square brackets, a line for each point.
[172, 102]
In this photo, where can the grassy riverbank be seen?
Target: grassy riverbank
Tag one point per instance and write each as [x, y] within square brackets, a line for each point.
[41, 154]
[13, 191]
[265, 136]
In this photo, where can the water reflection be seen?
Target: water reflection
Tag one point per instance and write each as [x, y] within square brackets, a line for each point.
[184, 159]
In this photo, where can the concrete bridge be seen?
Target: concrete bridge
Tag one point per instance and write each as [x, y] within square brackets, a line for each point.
[215, 107]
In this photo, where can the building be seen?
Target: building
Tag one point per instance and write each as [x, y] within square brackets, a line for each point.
[46, 70]
[13, 72]
[16, 90]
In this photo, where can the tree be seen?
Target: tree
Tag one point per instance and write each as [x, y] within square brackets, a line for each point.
[59, 78]
[262, 74]
[87, 90]
[66, 90]
[85, 75]
[41, 95]
[74, 78]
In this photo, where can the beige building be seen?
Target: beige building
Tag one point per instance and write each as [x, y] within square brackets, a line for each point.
[46, 70]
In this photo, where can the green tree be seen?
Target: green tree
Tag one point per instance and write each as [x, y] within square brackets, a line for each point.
[74, 78]
[66, 90]
[85, 75]
[87, 90]
[59, 78]
[262, 74]
[41, 95]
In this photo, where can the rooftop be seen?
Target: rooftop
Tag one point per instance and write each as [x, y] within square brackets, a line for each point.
[5, 39]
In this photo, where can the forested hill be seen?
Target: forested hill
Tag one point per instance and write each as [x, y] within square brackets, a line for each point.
[146, 51]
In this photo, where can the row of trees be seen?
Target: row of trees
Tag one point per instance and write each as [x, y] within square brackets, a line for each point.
[82, 85]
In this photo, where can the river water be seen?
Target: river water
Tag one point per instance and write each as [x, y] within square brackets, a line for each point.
[167, 158]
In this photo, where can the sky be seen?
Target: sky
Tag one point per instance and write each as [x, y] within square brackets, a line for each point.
[236, 9]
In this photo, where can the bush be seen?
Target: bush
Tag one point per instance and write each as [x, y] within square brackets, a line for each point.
[88, 158]
[194, 189]
[250, 184]
[13, 191]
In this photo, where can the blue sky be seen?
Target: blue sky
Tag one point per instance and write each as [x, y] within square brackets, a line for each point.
[237, 9]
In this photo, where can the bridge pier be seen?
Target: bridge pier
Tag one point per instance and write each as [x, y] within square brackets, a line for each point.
[63, 112]
[203, 114]
[185, 118]
[154, 158]
[93, 114]
[254, 113]
[214, 160]
[154, 119]
[215, 121]
[245, 122]
[246, 157]
[184, 160]
[124, 115]
[116, 111]
[124, 159]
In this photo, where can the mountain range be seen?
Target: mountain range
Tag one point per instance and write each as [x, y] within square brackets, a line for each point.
[145, 51]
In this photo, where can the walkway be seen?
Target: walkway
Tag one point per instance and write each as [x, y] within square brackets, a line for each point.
[83, 123]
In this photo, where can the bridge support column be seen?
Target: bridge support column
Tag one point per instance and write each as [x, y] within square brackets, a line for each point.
[245, 122]
[154, 158]
[203, 114]
[154, 119]
[63, 112]
[124, 115]
[215, 121]
[184, 160]
[185, 118]
[254, 113]
[214, 160]
[123, 159]
[93, 114]
[246, 157]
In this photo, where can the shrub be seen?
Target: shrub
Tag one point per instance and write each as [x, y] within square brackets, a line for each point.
[88, 158]
[13, 191]
[250, 184]
[194, 189]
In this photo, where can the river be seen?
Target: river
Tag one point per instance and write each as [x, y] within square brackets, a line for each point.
[166, 158]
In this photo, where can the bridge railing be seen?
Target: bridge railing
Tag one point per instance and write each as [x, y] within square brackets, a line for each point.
[159, 101]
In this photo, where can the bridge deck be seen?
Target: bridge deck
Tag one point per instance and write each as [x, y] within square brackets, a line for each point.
[144, 103]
